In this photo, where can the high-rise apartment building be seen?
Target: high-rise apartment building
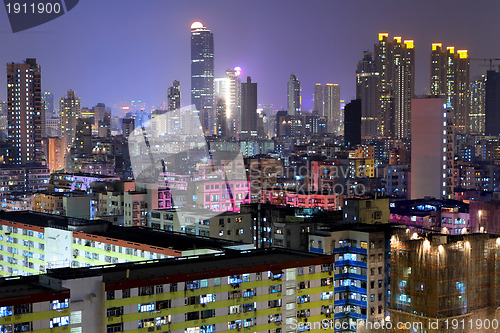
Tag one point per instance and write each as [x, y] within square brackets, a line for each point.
[492, 103]
[450, 78]
[174, 96]
[293, 95]
[248, 108]
[477, 93]
[69, 111]
[26, 116]
[432, 149]
[202, 75]
[318, 106]
[395, 63]
[367, 80]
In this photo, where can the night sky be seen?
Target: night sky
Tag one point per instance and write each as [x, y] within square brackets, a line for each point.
[116, 50]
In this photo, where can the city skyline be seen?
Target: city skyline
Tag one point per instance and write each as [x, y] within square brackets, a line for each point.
[125, 78]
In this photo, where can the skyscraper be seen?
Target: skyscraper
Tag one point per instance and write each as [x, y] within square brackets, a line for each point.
[395, 63]
[26, 117]
[332, 108]
[174, 96]
[248, 108]
[492, 103]
[367, 80]
[477, 92]
[450, 78]
[69, 111]
[318, 100]
[202, 75]
[293, 95]
[233, 100]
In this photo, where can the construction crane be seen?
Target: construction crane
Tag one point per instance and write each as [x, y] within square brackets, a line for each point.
[490, 60]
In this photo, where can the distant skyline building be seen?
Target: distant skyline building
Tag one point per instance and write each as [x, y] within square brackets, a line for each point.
[395, 63]
[367, 80]
[174, 96]
[492, 103]
[69, 111]
[450, 78]
[293, 95]
[102, 118]
[202, 75]
[477, 93]
[248, 108]
[318, 100]
[26, 116]
[331, 97]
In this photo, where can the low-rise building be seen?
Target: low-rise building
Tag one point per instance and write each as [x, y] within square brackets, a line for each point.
[257, 291]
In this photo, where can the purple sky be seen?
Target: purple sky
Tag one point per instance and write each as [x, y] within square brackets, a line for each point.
[116, 50]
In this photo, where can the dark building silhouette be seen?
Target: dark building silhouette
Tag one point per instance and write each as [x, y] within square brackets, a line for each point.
[352, 123]
[202, 74]
[492, 103]
[248, 108]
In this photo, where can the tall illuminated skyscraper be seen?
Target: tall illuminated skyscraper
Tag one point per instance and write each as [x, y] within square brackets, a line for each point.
[395, 63]
[331, 97]
[202, 75]
[233, 100]
[293, 95]
[69, 111]
[450, 78]
[174, 96]
[248, 108]
[26, 117]
[367, 80]
[318, 100]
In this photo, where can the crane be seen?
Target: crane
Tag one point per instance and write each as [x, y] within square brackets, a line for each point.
[490, 60]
